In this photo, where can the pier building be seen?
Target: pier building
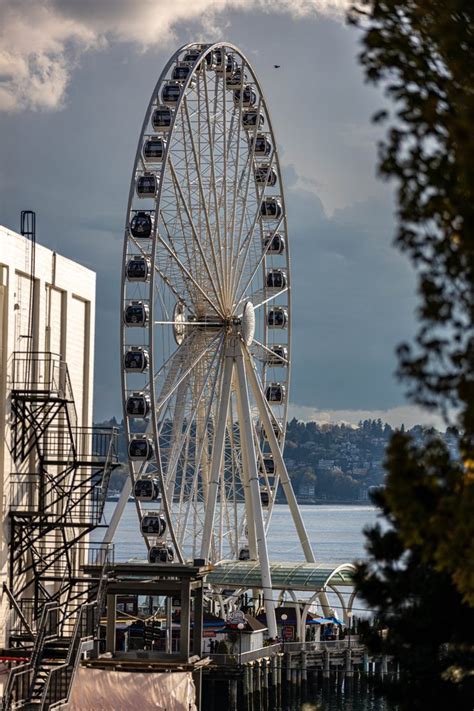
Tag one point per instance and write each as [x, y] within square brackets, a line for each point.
[54, 466]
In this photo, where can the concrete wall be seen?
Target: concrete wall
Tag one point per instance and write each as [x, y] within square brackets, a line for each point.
[63, 323]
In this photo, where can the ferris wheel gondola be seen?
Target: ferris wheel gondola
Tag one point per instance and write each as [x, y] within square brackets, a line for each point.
[205, 333]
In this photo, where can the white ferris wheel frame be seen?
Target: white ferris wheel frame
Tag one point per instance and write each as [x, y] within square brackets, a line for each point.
[236, 371]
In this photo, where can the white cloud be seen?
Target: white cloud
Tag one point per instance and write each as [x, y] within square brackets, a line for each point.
[409, 415]
[42, 41]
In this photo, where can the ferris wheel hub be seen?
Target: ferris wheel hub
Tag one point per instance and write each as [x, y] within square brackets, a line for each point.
[248, 323]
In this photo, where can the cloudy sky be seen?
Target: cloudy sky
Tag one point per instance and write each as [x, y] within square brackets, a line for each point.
[75, 78]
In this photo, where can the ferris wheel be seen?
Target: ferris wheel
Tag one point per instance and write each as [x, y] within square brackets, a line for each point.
[205, 336]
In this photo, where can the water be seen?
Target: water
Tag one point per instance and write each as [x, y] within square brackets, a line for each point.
[335, 532]
[337, 695]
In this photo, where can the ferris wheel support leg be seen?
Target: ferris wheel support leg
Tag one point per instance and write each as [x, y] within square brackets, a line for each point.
[249, 445]
[251, 536]
[279, 461]
[218, 453]
[118, 511]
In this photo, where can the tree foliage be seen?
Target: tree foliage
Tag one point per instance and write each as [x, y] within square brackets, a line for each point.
[422, 621]
[421, 569]
[422, 52]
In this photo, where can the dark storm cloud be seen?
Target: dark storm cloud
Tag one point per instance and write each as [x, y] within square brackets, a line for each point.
[352, 303]
[351, 292]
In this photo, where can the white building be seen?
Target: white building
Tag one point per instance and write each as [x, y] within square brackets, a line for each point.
[63, 324]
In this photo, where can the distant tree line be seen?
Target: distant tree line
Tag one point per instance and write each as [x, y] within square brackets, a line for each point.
[326, 462]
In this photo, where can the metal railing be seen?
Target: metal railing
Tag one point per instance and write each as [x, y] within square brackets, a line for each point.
[59, 681]
[22, 679]
[40, 371]
[321, 645]
[245, 657]
[45, 377]
[91, 444]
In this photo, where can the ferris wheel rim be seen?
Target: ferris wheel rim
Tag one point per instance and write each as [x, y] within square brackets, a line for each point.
[164, 165]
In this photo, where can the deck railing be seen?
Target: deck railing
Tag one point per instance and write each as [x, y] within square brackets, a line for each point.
[250, 656]
[286, 647]
[321, 645]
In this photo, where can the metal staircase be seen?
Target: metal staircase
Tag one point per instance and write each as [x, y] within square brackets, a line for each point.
[57, 497]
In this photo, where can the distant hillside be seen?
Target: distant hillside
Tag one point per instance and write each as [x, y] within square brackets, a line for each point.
[333, 463]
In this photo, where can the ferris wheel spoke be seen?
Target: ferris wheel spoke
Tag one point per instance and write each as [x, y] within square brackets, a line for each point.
[239, 296]
[244, 247]
[174, 360]
[273, 296]
[211, 140]
[186, 160]
[165, 397]
[194, 492]
[177, 446]
[191, 259]
[217, 452]
[167, 500]
[248, 173]
[195, 235]
[188, 275]
[234, 199]
[264, 350]
[218, 268]
[179, 294]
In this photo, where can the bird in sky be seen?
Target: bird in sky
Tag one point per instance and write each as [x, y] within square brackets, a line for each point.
[276, 66]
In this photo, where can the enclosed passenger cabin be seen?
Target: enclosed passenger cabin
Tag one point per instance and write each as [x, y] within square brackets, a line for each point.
[249, 97]
[274, 243]
[191, 55]
[276, 430]
[138, 268]
[275, 393]
[264, 497]
[136, 314]
[211, 59]
[278, 356]
[244, 553]
[170, 93]
[236, 79]
[160, 554]
[141, 224]
[146, 185]
[224, 62]
[138, 405]
[154, 150]
[217, 55]
[263, 146]
[135, 360]
[277, 317]
[251, 118]
[181, 72]
[146, 488]
[271, 209]
[267, 466]
[266, 175]
[153, 523]
[140, 448]
[276, 279]
[162, 118]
